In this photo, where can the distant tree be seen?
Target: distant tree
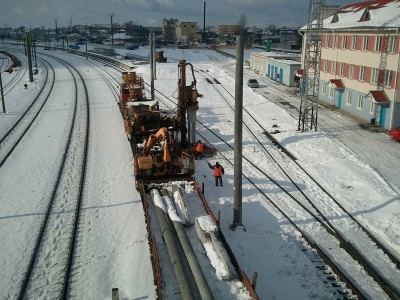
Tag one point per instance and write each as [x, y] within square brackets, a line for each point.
[129, 27]
[242, 24]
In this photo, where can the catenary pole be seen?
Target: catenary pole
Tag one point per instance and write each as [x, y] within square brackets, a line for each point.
[237, 205]
[28, 50]
[2, 94]
[152, 63]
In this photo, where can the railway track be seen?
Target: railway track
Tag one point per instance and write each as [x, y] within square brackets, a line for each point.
[17, 77]
[13, 135]
[355, 248]
[49, 267]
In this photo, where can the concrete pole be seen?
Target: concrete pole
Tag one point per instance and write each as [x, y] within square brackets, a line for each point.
[2, 94]
[237, 205]
[34, 51]
[191, 258]
[86, 42]
[112, 31]
[154, 57]
[25, 45]
[152, 64]
[204, 23]
[171, 243]
[28, 50]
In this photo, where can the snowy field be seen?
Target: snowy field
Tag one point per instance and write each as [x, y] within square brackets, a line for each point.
[114, 242]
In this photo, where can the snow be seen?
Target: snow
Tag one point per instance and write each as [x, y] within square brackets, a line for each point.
[113, 241]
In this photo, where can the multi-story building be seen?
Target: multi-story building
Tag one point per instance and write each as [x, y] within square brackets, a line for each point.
[169, 30]
[228, 29]
[178, 32]
[359, 67]
[185, 32]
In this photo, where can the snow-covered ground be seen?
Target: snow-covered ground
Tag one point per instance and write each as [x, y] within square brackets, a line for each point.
[113, 241]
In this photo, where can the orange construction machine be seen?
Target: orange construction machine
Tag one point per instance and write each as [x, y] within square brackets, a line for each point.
[161, 141]
[141, 115]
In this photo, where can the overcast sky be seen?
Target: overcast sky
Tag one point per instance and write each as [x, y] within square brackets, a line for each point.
[260, 13]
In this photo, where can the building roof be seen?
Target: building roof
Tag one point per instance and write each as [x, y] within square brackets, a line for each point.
[369, 14]
[379, 97]
[277, 55]
[122, 36]
[337, 84]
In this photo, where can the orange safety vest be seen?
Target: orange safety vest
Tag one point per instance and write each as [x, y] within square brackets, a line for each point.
[199, 147]
[217, 171]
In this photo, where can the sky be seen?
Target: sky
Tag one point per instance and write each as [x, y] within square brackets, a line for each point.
[112, 234]
[259, 13]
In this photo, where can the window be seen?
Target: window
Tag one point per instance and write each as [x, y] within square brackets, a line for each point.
[335, 18]
[335, 40]
[366, 16]
[344, 40]
[331, 90]
[348, 98]
[353, 42]
[351, 71]
[374, 76]
[327, 41]
[387, 78]
[392, 44]
[341, 69]
[360, 101]
[361, 76]
[333, 67]
[378, 43]
[365, 43]
[325, 66]
[323, 90]
[371, 107]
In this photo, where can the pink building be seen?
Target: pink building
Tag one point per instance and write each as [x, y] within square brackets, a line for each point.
[360, 61]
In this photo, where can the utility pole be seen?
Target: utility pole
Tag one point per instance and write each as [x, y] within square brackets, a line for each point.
[2, 94]
[55, 21]
[309, 86]
[112, 33]
[237, 193]
[28, 50]
[204, 22]
[86, 41]
[34, 50]
[151, 37]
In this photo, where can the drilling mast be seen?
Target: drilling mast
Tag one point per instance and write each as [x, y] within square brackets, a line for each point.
[309, 86]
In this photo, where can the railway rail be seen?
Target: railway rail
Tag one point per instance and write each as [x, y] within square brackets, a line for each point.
[353, 250]
[12, 137]
[54, 248]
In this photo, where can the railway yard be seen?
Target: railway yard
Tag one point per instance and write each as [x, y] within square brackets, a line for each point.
[79, 216]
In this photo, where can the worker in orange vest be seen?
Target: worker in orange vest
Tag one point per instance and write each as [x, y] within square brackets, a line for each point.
[218, 172]
[199, 149]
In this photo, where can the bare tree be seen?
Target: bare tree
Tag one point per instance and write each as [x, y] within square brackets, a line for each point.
[242, 24]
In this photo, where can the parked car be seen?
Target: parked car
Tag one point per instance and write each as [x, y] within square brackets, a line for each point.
[74, 47]
[132, 47]
[253, 83]
[395, 133]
